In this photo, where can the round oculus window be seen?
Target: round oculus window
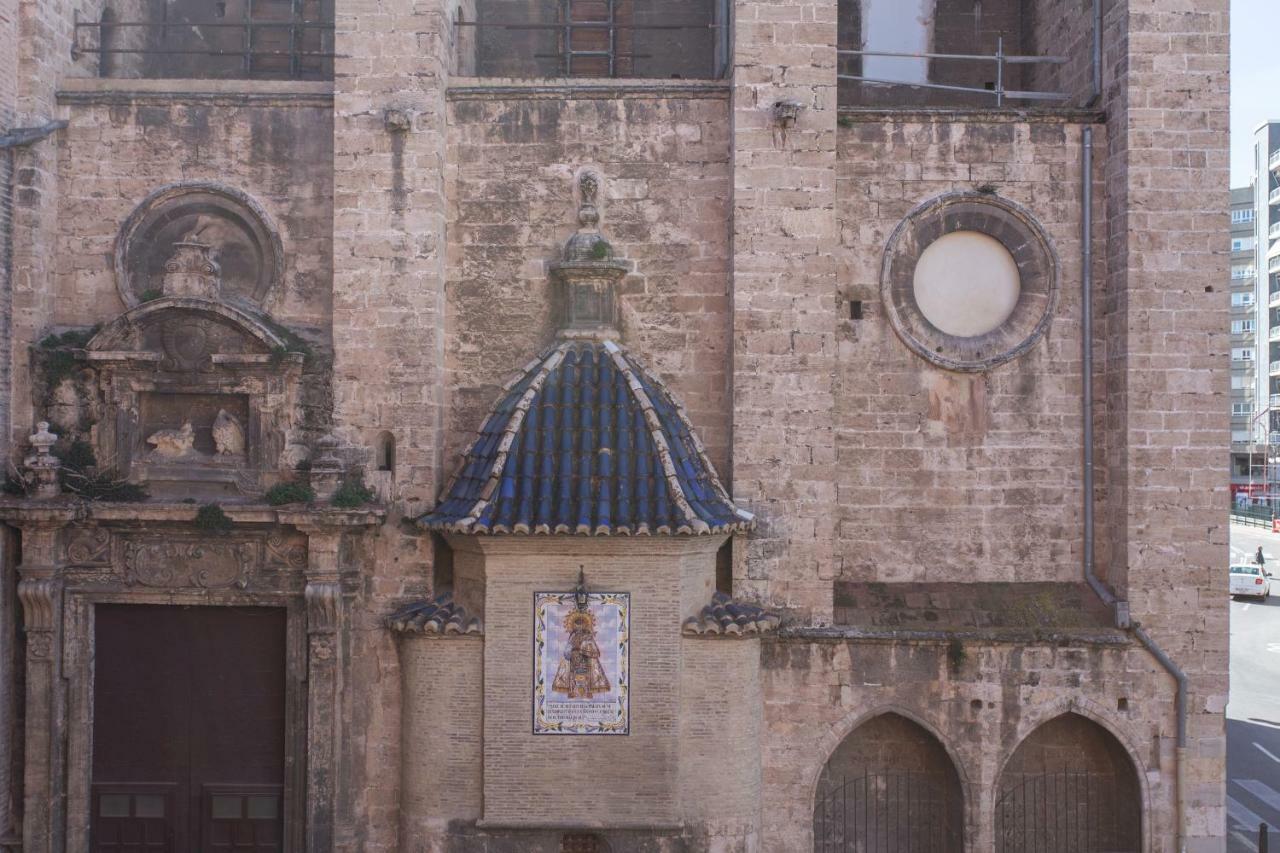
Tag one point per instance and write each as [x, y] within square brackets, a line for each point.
[969, 281]
[966, 284]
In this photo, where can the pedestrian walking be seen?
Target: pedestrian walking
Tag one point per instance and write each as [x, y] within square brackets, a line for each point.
[1259, 558]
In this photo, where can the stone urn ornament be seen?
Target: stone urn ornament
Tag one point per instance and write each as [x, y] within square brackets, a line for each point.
[43, 463]
[192, 269]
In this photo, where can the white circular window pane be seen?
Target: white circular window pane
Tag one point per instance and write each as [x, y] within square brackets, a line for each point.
[966, 284]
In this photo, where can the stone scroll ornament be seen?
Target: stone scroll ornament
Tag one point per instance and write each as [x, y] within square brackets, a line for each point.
[198, 565]
[581, 660]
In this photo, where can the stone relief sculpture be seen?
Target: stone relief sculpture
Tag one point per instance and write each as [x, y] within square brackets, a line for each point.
[173, 443]
[228, 434]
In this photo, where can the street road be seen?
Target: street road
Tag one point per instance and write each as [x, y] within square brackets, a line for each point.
[1253, 712]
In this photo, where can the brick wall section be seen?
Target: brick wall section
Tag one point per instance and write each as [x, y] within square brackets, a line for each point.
[442, 744]
[720, 729]
[1065, 30]
[1167, 356]
[664, 207]
[941, 474]
[784, 298]
[538, 780]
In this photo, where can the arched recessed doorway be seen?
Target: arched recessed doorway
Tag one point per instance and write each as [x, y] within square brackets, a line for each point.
[1069, 788]
[890, 787]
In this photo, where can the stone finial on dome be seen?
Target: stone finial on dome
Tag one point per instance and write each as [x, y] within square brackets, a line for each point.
[589, 272]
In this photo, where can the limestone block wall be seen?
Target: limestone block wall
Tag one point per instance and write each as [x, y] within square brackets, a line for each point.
[388, 320]
[45, 34]
[980, 710]
[784, 300]
[121, 145]
[1167, 354]
[942, 474]
[663, 160]
[442, 744]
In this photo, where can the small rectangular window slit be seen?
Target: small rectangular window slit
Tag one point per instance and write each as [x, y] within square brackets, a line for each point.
[855, 309]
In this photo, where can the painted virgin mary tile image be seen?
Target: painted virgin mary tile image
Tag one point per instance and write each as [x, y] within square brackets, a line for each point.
[581, 654]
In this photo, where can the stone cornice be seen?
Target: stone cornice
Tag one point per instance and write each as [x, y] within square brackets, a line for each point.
[258, 93]
[66, 510]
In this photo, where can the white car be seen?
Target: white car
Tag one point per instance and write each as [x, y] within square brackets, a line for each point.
[1250, 580]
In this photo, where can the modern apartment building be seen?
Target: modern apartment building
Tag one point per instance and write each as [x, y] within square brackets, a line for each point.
[1244, 346]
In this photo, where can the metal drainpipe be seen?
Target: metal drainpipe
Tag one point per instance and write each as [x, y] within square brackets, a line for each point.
[1097, 50]
[1119, 607]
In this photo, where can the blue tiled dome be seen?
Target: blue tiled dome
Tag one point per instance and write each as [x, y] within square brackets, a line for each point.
[587, 442]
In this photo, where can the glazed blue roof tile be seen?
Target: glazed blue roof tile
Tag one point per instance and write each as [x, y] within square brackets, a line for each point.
[586, 442]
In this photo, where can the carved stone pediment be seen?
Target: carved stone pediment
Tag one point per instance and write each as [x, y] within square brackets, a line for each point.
[184, 334]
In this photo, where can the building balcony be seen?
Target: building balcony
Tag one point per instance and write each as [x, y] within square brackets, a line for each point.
[1275, 401]
[1273, 302]
[1273, 162]
[250, 41]
[1241, 275]
[1273, 264]
[1274, 368]
[1274, 196]
[1273, 334]
[1274, 231]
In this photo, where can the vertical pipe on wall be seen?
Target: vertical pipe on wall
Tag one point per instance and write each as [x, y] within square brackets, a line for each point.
[1097, 50]
[1086, 360]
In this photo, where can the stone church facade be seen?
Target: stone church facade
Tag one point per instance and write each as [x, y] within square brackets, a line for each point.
[490, 425]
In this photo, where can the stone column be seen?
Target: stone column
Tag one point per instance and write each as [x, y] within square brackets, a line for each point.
[784, 296]
[323, 596]
[40, 592]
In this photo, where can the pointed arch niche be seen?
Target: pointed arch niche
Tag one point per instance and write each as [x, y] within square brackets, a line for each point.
[1070, 787]
[889, 787]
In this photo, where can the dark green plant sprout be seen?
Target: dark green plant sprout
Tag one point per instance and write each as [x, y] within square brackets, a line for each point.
[351, 494]
[290, 493]
[211, 519]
